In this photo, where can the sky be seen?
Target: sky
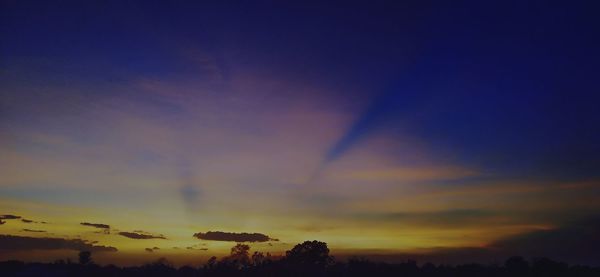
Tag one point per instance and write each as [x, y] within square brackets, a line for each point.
[450, 131]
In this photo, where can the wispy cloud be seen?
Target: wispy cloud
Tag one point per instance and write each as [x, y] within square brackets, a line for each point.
[141, 235]
[237, 237]
[152, 249]
[9, 216]
[442, 218]
[15, 243]
[410, 174]
[197, 247]
[96, 225]
[579, 238]
[33, 231]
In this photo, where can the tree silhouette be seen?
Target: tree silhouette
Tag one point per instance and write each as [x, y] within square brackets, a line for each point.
[239, 257]
[516, 265]
[211, 263]
[310, 258]
[548, 267]
[160, 267]
[85, 257]
[257, 258]
[240, 252]
[310, 253]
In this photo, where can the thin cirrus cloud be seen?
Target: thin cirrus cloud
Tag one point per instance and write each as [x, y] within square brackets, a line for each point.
[105, 228]
[96, 225]
[17, 243]
[9, 216]
[442, 218]
[34, 231]
[411, 174]
[141, 235]
[579, 237]
[24, 220]
[194, 248]
[236, 237]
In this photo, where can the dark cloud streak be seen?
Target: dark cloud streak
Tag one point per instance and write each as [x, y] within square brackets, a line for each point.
[9, 216]
[138, 235]
[577, 243]
[151, 249]
[447, 218]
[237, 237]
[96, 225]
[33, 231]
[19, 243]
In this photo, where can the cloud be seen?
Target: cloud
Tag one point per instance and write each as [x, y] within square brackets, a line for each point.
[190, 194]
[444, 218]
[152, 249]
[193, 247]
[96, 225]
[199, 246]
[410, 174]
[576, 243]
[16, 243]
[34, 231]
[24, 220]
[141, 235]
[9, 216]
[105, 227]
[237, 237]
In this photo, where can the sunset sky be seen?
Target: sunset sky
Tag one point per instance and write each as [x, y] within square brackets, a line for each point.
[386, 128]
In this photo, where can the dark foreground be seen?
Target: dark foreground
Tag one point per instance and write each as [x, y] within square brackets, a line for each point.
[306, 259]
[542, 267]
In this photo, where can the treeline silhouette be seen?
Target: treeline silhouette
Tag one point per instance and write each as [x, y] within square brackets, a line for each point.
[310, 258]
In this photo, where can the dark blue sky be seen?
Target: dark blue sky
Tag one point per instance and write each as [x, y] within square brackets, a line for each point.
[512, 85]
